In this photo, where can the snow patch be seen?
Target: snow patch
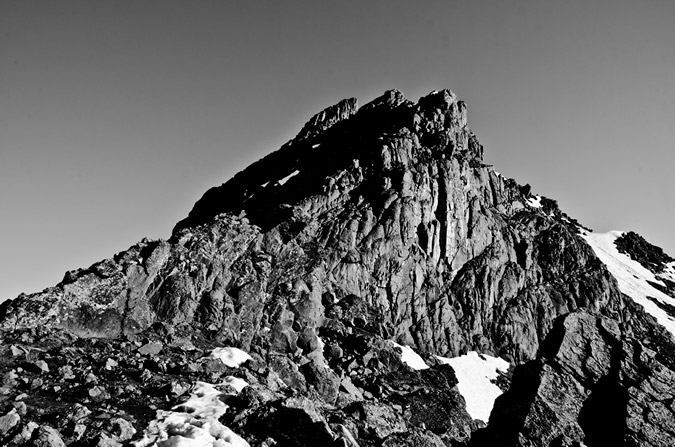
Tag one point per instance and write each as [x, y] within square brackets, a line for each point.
[231, 357]
[314, 146]
[631, 276]
[534, 202]
[195, 422]
[288, 177]
[264, 184]
[235, 382]
[668, 272]
[475, 373]
[410, 357]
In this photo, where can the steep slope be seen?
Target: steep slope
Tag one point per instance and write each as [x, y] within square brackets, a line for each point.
[375, 227]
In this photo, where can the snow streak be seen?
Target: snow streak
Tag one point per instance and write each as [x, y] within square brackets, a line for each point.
[633, 277]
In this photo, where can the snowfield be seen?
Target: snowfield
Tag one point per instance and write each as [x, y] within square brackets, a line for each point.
[194, 423]
[231, 357]
[475, 373]
[411, 358]
[632, 277]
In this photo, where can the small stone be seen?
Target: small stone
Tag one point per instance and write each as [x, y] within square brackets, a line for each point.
[110, 364]
[25, 434]
[9, 421]
[79, 430]
[48, 437]
[42, 366]
[78, 412]
[66, 372]
[146, 376]
[333, 351]
[348, 386]
[103, 440]
[91, 378]
[96, 392]
[16, 352]
[191, 368]
[122, 429]
[9, 379]
[20, 408]
[152, 348]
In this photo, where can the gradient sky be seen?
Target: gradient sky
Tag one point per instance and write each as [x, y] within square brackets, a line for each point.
[116, 116]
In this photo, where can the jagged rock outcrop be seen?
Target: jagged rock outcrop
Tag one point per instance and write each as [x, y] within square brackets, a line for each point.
[649, 256]
[374, 224]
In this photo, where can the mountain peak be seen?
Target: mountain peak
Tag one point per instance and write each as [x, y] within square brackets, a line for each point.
[332, 141]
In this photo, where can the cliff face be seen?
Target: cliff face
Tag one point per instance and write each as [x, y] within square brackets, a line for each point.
[382, 223]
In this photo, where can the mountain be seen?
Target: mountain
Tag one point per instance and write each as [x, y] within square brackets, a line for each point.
[370, 283]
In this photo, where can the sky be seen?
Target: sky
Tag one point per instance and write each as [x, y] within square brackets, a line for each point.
[116, 116]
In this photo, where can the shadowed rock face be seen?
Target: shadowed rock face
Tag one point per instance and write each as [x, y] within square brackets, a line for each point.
[376, 223]
[595, 382]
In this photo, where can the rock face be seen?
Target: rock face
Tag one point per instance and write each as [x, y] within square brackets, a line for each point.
[377, 223]
[596, 382]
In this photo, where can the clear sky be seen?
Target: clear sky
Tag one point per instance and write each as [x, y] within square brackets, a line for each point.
[116, 116]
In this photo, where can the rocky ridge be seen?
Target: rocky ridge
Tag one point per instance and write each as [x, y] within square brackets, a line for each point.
[374, 225]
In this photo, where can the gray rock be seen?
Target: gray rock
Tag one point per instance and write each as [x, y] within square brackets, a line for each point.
[379, 420]
[9, 421]
[26, 433]
[152, 348]
[48, 437]
[42, 366]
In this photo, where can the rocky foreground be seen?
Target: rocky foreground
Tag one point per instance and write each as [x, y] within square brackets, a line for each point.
[358, 287]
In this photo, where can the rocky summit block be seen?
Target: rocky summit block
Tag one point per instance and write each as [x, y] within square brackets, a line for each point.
[374, 225]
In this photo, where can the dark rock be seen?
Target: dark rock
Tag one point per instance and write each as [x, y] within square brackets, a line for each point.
[323, 379]
[649, 256]
[293, 422]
